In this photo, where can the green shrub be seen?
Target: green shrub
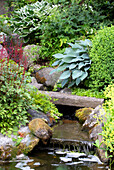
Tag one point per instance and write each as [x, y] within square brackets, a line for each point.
[26, 21]
[44, 103]
[108, 128]
[102, 57]
[74, 63]
[87, 92]
[4, 25]
[14, 98]
[52, 26]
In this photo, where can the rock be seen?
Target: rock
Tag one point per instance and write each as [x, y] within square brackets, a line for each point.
[73, 100]
[3, 52]
[31, 53]
[66, 90]
[91, 125]
[43, 76]
[101, 152]
[40, 129]
[28, 142]
[38, 114]
[37, 85]
[82, 114]
[92, 119]
[8, 148]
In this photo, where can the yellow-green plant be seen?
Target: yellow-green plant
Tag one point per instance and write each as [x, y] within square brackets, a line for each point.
[108, 128]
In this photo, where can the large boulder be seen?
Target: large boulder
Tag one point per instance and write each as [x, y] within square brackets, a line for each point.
[10, 148]
[30, 53]
[39, 128]
[43, 76]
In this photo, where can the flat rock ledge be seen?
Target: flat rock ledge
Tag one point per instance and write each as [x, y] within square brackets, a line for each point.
[73, 100]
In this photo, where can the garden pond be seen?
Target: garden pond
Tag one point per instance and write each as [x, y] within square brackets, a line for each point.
[67, 150]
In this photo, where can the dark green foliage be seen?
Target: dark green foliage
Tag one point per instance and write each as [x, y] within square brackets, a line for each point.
[102, 57]
[52, 26]
[74, 63]
[4, 25]
[14, 98]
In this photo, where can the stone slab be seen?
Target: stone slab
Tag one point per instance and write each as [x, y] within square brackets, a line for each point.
[73, 100]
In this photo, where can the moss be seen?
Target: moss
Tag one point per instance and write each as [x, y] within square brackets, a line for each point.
[83, 113]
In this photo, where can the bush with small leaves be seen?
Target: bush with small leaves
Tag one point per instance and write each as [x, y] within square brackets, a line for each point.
[102, 57]
[74, 63]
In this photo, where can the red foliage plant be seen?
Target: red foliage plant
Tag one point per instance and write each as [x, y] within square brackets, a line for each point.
[15, 53]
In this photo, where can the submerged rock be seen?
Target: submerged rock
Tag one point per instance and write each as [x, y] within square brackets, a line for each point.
[40, 129]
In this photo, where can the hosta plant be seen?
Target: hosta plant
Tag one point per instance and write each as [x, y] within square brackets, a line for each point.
[74, 63]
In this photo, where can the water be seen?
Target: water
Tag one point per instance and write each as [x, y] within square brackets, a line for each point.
[62, 153]
[50, 159]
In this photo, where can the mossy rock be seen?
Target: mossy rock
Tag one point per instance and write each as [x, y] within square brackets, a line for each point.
[83, 113]
[40, 129]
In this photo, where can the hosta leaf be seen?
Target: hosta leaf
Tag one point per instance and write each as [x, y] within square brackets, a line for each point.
[65, 75]
[71, 84]
[68, 50]
[77, 59]
[62, 67]
[64, 82]
[83, 76]
[81, 51]
[85, 43]
[56, 63]
[85, 56]
[53, 71]
[86, 68]
[67, 59]
[76, 46]
[61, 63]
[77, 73]
[81, 64]
[58, 55]
[78, 81]
[73, 65]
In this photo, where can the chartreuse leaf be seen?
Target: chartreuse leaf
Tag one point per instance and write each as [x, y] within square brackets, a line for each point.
[65, 75]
